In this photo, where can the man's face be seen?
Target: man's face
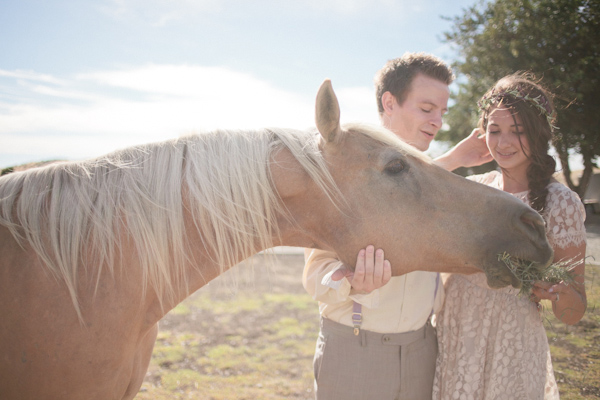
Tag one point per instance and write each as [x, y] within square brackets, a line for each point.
[418, 119]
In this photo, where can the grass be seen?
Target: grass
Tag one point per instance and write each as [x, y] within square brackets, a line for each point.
[257, 341]
[576, 349]
[252, 340]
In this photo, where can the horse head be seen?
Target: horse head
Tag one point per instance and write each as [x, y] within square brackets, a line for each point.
[424, 217]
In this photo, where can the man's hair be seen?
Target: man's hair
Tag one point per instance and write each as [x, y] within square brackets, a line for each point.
[397, 75]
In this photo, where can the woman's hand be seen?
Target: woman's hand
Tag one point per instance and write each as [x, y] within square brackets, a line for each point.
[548, 291]
[372, 271]
[569, 300]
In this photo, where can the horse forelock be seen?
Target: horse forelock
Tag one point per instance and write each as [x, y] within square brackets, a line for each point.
[386, 137]
[77, 212]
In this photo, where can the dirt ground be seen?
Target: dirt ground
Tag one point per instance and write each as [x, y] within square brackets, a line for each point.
[250, 334]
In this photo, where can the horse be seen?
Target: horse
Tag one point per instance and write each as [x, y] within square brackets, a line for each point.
[96, 252]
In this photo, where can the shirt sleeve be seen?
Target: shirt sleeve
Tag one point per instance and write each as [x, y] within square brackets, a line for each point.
[486, 178]
[316, 278]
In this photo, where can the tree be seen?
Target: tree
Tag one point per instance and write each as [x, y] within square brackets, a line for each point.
[557, 40]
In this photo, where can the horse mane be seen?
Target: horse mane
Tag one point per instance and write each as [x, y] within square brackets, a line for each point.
[383, 135]
[79, 213]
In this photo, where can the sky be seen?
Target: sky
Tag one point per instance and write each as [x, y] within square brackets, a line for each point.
[79, 79]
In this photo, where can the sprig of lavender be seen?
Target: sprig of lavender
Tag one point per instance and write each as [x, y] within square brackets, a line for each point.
[528, 272]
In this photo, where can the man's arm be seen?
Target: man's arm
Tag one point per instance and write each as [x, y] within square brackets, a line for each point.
[327, 279]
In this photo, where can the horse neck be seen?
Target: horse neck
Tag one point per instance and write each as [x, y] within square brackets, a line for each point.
[307, 207]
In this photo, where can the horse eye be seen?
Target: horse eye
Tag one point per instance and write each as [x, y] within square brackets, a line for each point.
[394, 167]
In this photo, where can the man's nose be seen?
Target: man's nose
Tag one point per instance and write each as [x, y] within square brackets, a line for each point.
[436, 120]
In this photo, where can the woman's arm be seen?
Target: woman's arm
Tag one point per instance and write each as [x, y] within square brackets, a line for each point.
[569, 300]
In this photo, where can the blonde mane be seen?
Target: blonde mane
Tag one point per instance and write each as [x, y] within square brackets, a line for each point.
[386, 137]
[80, 213]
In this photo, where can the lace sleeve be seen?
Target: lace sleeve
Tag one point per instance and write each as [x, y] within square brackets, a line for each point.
[565, 217]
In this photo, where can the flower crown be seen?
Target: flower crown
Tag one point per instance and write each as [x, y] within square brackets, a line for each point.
[540, 102]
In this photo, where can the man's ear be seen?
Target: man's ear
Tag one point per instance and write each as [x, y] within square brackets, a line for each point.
[389, 102]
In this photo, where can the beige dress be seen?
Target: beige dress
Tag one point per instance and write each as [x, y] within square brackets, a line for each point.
[492, 343]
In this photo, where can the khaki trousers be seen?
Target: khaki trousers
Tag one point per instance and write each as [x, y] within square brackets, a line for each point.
[374, 366]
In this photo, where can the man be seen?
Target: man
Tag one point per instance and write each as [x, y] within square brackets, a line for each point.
[376, 339]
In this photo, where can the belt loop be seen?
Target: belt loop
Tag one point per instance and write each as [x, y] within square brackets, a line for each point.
[363, 338]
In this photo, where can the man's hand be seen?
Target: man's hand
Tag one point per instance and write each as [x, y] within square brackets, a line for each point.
[372, 271]
[469, 152]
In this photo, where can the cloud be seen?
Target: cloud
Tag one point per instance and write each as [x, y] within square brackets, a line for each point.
[29, 76]
[353, 7]
[160, 13]
[91, 114]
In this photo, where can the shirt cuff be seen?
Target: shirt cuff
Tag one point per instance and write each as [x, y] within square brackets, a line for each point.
[329, 282]
[343, 291]
[342, 287]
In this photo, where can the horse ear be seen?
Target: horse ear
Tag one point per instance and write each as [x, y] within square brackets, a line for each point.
[327, 112]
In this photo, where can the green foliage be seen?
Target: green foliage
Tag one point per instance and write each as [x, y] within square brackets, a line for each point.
[7, 171]
[557, 40]
[528, 272]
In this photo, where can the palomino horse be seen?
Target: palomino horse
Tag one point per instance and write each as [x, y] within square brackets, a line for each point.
[95, 253]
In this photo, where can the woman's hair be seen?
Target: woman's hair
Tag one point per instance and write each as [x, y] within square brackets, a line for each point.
[526, 98]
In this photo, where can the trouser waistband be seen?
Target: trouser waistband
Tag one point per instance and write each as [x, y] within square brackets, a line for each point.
[374, 338]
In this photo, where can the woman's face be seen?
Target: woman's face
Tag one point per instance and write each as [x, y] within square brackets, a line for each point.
[506, 140]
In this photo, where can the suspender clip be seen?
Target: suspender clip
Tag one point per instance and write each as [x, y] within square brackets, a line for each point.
[356, 317]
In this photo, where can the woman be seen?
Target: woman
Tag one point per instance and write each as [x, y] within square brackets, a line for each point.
[492, 343]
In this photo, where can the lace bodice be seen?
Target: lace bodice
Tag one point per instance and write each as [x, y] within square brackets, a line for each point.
[564, 215]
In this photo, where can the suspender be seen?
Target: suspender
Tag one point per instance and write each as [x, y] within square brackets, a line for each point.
[357, 308]
[437, 284]
[356, 317]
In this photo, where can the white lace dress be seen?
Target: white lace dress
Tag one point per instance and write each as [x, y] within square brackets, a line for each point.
[492, 343]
